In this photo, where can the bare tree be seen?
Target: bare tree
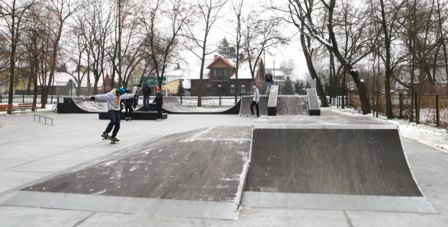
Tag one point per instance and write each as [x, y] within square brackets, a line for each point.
[12, 14]
[33, 43]
[162, 46]
[125, 51]
[55, 14]
[443, 34]
[94, 24]
[329, 13]
[307, 47]
[77, 52]
[237, 8]
[260, 35]
[208, 13]
[390, 23]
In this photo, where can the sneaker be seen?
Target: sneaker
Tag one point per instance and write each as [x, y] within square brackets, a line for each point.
[114, 139]
[105, 135]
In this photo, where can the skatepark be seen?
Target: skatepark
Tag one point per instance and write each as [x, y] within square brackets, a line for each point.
[214, 168]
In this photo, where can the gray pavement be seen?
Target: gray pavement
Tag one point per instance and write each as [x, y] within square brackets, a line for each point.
[31, 153]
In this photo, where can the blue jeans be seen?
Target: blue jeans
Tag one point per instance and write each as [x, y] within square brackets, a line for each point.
[115, 117]
[145, 101]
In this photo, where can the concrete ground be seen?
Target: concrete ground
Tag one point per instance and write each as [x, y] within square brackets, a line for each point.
[31, 152]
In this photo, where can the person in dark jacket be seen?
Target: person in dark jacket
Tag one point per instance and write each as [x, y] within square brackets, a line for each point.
[158, 100]
[146, 91]
[129, 105]
[268, 82]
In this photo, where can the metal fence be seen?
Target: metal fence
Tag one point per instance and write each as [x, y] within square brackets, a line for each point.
[425, 109]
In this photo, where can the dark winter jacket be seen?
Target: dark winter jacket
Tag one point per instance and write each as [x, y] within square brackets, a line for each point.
[128, 102]
[268, 78]
[146, 91]
[158, 99]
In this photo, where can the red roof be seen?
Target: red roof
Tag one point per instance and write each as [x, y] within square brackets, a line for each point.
[220, 58]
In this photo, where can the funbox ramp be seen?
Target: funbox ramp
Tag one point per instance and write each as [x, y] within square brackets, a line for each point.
[328, 166]
[198, 174]
[330, 160]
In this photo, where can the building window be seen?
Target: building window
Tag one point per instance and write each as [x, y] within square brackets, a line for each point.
[243, 89]
[220, 74]
[232, 89]
[209, 90]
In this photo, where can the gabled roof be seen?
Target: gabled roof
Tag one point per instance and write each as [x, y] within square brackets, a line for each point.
[223, 59]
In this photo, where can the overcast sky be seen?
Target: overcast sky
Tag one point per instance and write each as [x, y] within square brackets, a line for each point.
[282, 55]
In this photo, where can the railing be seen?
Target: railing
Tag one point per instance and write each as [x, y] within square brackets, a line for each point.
[425, 109]
[39, 117]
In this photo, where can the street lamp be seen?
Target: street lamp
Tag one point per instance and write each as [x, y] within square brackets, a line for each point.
[219, 91]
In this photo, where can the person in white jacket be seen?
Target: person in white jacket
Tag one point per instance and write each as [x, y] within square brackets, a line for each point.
[255, 100]
[113, 99]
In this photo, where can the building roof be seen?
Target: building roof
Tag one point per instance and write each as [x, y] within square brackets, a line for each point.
[218, 58]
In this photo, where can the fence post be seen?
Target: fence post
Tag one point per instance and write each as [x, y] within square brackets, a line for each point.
[400, 99]
[437, 111]
[417, 112]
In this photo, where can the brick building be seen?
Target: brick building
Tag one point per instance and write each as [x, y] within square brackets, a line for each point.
[220, 78]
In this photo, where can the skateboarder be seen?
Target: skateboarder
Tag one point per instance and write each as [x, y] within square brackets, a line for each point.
[159, 103]
[255, 100]
[113, 99]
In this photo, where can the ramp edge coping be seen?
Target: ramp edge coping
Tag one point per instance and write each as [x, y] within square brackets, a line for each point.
[403, 204]
[321, 126]
[131, 205]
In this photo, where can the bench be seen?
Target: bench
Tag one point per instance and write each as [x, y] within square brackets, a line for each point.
[7, 107]
[27, 106]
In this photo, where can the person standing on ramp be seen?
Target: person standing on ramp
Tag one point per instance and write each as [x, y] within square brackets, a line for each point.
[113, 99]
[146, 93]
[268, 83]
[255, 100]
[159, 103]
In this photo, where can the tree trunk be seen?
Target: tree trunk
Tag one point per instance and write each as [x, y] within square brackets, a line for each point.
[313, 73]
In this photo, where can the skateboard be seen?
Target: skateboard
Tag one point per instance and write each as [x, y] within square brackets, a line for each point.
[112, 140]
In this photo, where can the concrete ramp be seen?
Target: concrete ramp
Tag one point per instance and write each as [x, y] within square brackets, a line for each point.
[313, 102]
[80, 105]
[247, 100]
[195, 174]
[329, 158]
[291, 105]
[273, 100]
[171, 105]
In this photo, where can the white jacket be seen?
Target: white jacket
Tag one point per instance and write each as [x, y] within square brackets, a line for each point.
[113, 101]
[256, 97]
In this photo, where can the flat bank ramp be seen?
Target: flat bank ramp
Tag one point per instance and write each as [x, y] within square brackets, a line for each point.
[195, 174]
[291, 105]
[329, 159]
[246, 102]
